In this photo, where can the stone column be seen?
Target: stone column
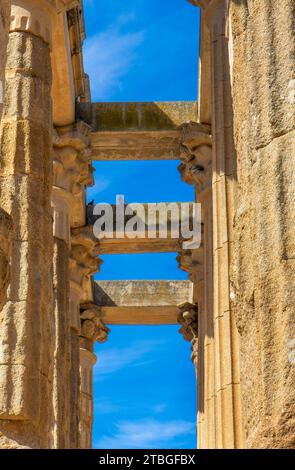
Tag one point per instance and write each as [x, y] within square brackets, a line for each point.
[262, 38]
[5, 220]
[229, 429]
[92, 329]
[196, 169]
[70, 144]
[71, 169]
[84, 262]
[25, 188]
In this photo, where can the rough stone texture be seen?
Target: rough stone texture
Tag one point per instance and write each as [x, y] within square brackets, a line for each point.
[5, 220]
[154, 116]
[25, 180]
[135, 145]
[142, 293]
[263, 44]
[4, 25]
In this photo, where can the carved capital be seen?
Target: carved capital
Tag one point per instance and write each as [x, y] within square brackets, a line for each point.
[5, 253]
[188, 319]
[33, 16]
[192, 262]
[196, 155]
[92, 326]
[211, 8]
[72, 165]
[84, 261]
[38, 16]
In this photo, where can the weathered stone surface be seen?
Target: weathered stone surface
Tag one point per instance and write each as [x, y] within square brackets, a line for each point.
[157, 116]
[136, 145]
[4, 27]
[26, 176]
[141, 302]
[264, 243]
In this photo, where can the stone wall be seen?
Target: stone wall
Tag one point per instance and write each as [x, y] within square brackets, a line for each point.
[4, 25]
[263, 44]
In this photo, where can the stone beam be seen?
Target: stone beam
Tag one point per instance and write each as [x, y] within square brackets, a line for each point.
[141, 302]
[148, 239]
[135, 145]
[137, 131]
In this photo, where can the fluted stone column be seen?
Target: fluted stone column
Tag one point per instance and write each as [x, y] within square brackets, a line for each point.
[92, 329]
[262, 37]
[84, 263]
[228, 417]
[70, 144]
[25, 187]
[196, 169]
[5, 220]
[229, 427]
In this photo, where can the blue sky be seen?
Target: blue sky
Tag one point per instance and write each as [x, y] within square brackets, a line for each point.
[144, 382]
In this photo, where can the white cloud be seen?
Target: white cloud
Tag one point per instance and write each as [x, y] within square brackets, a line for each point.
[160, 408]
[146, 434]
[109, 55]
[137, 354]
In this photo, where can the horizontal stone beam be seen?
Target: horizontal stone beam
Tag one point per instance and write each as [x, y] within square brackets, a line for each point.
[121, 246]
[118, 244]
[137, 131]
[136, 145]
[141, 302]
[148, 116]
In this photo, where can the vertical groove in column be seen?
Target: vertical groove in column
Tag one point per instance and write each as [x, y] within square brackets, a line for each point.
[228, 412]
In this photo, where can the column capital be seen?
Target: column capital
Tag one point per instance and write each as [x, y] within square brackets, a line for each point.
[37, 16]
[188, 319]
[72, 167]
[196, 155]
[209, 7]
[93, 327]
[84, 261]
[192, 262]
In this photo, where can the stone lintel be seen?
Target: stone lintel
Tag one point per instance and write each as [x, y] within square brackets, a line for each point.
[149, 239]
[141, 302]
[146, 116]
[117, 246]
[137, 131]
[136, 145]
